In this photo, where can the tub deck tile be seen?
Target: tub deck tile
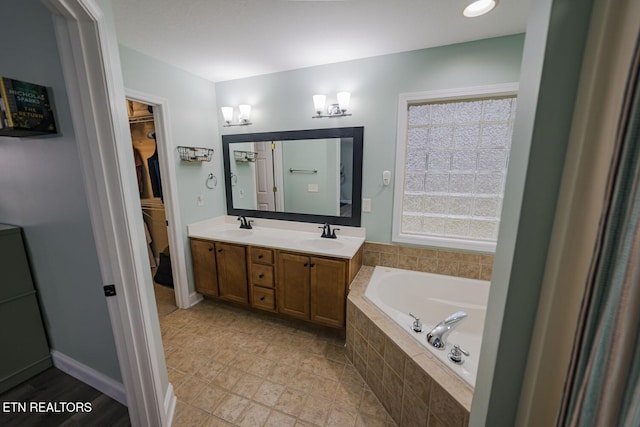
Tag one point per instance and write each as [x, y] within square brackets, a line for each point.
[416, 388]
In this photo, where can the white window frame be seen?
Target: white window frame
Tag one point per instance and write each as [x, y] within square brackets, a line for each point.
[404, 101]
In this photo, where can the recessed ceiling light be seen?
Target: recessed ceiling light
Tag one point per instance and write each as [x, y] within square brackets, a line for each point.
[478, 8]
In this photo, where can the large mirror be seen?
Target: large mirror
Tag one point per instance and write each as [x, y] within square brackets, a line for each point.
[307, 175]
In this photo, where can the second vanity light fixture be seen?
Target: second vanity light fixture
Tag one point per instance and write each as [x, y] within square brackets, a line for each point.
[332, 110]
[243, 117]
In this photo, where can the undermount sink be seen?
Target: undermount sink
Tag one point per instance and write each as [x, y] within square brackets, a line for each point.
[326, 244]
[238, 232]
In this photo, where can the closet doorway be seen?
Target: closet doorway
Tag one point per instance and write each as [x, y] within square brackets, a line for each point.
[152, 208]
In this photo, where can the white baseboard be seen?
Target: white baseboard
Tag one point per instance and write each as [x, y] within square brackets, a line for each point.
[194, 298]
[90, 376]
[170, 404]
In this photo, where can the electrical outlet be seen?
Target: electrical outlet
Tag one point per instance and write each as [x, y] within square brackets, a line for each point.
[366, 205]
[313, 188]
[200, 200]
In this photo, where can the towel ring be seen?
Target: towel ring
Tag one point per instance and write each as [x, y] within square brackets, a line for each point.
[211, 177]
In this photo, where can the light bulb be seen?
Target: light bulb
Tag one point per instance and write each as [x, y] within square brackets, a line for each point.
[318, 103]
[227, 113]
[245, 112]
[343, 100]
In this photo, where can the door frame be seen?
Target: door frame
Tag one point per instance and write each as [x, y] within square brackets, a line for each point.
[93, 78]
[161, 118]
[581, 204]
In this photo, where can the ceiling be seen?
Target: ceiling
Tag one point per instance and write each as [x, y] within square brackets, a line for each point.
[230, 39]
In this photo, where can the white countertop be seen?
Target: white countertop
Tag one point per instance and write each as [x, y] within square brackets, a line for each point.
[287, 235]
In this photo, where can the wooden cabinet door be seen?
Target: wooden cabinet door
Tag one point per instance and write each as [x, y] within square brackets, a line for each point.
[328, 287]
[232, 272]
[203, 258]
[293, 285]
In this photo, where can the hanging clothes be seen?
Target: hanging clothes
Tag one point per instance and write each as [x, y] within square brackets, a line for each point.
[139, 168]
[154, 171]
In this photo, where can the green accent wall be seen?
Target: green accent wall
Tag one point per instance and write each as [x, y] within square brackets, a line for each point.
[42, 190]
[551, 68]
[192, 123]
[283, 101]
[320, 155]
[244, 185]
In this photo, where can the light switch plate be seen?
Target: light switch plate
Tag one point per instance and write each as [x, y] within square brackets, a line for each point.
[200, 200]
[366, 205]
[313, 188]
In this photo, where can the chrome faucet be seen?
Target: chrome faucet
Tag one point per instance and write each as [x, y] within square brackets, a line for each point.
[438, 334]
[417, 323]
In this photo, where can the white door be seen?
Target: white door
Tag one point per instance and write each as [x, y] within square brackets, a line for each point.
[264, 177]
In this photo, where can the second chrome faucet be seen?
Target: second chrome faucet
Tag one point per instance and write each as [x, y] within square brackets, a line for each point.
[436, 337]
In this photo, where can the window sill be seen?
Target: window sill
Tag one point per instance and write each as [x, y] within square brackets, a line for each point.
[446, 242]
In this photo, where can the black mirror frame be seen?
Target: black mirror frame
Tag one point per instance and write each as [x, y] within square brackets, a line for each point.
[357, 133]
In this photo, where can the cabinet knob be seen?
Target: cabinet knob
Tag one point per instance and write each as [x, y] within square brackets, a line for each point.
[210, 249]
[305, 264]
[261, 275]
[219, 250]
[259, 256]
[261, 298]
[312, 265]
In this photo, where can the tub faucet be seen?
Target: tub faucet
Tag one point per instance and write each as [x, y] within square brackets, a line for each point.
[441, 330]
[417, 323]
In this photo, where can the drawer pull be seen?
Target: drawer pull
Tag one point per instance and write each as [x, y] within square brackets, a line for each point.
[261, 298]
[259, 256]
[261, 275]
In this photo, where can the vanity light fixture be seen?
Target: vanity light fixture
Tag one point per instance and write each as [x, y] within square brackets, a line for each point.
[332, 110]
[479, 8]
[243, 117]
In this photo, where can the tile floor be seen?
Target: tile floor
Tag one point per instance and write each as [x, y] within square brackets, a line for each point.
[165, 299]
[233, 367]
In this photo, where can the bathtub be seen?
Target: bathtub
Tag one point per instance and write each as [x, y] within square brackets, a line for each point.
[433, 297]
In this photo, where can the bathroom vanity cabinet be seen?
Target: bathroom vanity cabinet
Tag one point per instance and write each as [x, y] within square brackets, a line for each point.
[262, 273]
[295, 284]
[312, 288]
[204, 267]
[231, 263]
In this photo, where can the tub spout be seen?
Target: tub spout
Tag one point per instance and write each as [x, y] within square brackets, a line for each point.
[438, 334]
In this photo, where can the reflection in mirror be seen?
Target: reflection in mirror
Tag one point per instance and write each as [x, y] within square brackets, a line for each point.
[312, 175]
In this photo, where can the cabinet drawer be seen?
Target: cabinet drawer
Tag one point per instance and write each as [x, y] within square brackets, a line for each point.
[263, 298]
[263, 256]
[262, 275]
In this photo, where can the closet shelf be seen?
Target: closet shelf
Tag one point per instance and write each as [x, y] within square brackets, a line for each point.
[195, 154]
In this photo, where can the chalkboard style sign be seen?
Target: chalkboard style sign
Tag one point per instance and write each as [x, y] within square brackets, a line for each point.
[24, 109]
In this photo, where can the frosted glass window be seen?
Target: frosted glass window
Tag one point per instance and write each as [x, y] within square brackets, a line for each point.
[413, 203]
[455, 167]
[421, 115]
[441, 137]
